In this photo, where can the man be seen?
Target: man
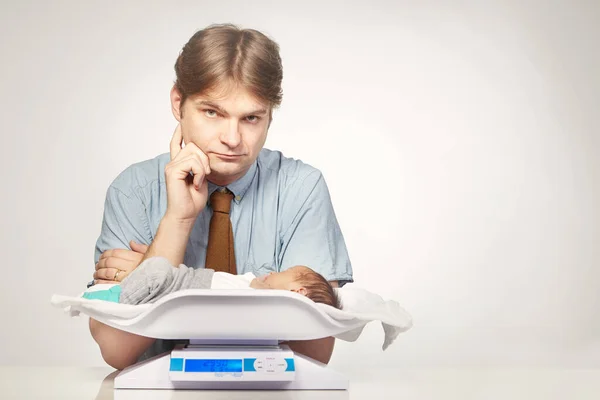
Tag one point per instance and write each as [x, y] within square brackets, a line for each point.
[218, 199]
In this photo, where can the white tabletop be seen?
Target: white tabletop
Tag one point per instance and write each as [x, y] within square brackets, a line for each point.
[463, 384]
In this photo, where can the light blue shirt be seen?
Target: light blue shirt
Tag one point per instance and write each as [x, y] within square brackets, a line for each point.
[281, 215]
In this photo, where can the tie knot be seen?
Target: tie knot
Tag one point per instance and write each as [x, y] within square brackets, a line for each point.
[220, 200]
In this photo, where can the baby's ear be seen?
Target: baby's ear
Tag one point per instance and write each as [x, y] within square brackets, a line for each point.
[301, 290]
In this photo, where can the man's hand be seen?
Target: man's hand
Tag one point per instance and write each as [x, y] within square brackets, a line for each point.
[186, 197]
[119, 261]
[186, 194]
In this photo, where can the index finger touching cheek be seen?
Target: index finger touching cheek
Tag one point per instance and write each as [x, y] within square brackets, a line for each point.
[205, 161]
[176, 142]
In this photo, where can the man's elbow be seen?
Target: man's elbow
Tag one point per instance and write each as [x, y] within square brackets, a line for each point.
[116, 361]
[326, 350]
[115, 356]
[318, 349]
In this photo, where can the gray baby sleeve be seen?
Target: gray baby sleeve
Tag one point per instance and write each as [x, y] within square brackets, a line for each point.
[156, 277]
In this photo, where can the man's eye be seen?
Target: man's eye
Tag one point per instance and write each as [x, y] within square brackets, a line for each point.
[252, 119]
[210, 113]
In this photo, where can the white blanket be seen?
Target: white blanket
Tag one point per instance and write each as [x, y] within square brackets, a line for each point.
[359, 307]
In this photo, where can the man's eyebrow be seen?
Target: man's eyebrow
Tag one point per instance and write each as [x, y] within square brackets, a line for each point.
[212, 105]
[260, 111]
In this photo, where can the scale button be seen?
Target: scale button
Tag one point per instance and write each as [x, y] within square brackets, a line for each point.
[276, 366]
[281, 366]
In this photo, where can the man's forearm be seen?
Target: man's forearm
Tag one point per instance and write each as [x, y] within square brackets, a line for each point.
[318, 349]
[171, 240]
[121, 349]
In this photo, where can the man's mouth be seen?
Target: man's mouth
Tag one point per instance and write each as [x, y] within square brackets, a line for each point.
[228, 156]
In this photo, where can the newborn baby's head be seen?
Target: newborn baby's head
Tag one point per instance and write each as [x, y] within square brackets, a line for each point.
[301, 280]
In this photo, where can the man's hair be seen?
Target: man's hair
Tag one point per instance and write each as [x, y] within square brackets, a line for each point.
[223, 54]
[319, 289]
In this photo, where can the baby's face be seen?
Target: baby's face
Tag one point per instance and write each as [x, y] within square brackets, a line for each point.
[286, 280]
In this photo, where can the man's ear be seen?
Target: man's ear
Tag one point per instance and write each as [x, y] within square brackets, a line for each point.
[301, 290]
[176, 103]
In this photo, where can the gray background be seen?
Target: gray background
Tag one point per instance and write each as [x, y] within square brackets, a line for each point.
[472, 126]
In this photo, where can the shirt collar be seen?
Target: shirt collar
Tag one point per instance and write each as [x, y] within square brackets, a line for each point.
[239, 187]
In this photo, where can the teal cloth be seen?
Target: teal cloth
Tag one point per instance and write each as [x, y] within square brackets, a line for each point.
[113, 294]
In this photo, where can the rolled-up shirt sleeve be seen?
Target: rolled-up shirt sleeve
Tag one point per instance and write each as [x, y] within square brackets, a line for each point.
[313, 236]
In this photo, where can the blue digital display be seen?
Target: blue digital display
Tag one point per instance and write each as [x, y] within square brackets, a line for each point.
[219, 365]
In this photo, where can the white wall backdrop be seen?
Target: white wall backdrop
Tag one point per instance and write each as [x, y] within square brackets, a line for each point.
[476, 121]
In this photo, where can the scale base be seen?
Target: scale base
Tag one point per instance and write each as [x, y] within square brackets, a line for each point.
[154, 374]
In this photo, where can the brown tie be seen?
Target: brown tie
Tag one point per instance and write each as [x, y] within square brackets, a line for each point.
[219, 252]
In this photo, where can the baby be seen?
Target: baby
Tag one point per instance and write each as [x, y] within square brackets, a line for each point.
[156, 277]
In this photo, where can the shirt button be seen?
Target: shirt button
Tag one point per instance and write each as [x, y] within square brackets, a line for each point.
[238, 198]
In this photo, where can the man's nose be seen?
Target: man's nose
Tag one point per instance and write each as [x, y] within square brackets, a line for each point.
[232, 136]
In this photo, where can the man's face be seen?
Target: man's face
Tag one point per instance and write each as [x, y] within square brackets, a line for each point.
[228, 124]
